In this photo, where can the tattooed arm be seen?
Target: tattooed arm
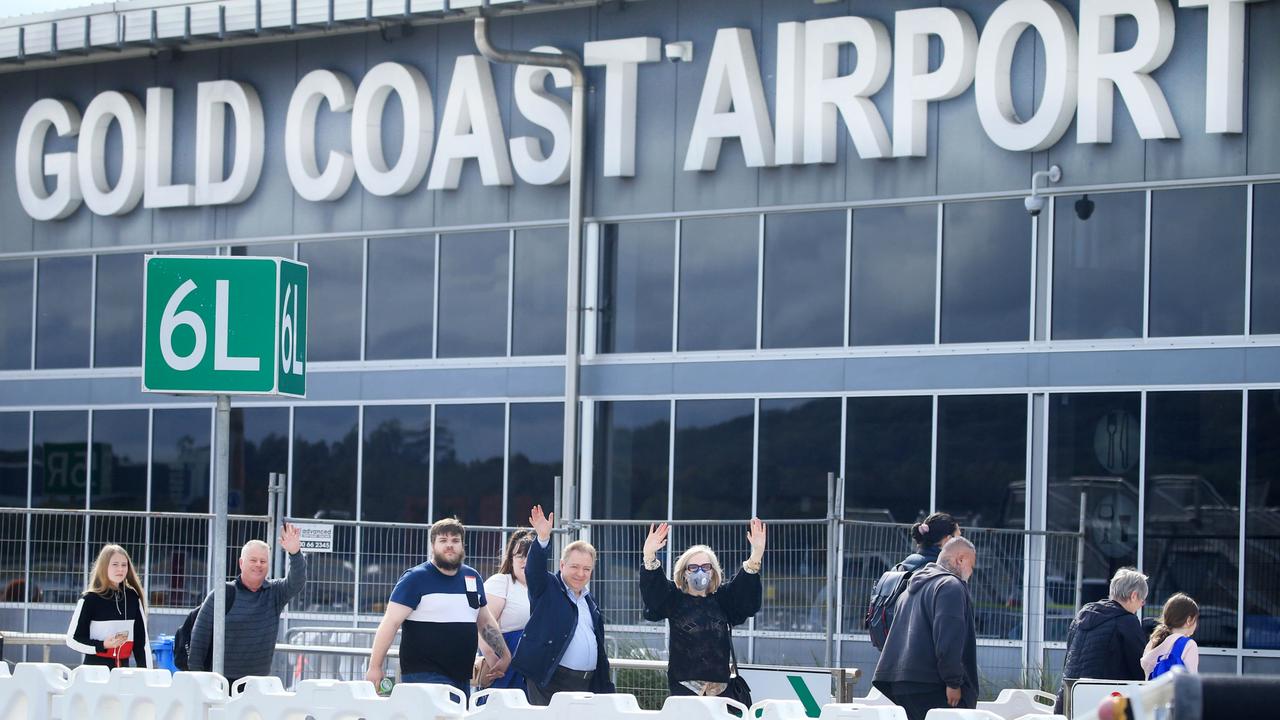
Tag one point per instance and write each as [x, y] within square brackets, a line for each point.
[497, 657]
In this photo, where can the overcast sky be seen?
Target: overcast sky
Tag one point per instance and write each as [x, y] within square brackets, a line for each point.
[9, 8]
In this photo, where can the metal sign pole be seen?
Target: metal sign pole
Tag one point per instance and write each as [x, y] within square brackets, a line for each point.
[221, 465]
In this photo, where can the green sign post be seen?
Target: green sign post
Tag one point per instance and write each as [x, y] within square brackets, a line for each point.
[223, 326]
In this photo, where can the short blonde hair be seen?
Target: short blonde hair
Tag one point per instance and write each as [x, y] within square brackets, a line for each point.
[1126, 582]
[578, 546]
[717, 573]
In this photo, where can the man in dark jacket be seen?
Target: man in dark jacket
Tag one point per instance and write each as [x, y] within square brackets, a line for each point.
[930, 658]
[563, 644]
[1106, 639]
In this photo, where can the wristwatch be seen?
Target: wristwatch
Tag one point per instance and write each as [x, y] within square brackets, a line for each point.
[653, 564]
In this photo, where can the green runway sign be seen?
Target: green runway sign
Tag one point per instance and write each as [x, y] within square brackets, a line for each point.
[224, 326]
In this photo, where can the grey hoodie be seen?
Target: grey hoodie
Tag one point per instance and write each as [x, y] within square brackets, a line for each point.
[933, 640]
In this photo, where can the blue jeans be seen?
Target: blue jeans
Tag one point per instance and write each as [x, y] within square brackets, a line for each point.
[438, 679]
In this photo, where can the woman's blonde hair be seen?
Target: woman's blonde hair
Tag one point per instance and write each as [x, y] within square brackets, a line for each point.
[100, 584]
[682, 581]
[1178, 611]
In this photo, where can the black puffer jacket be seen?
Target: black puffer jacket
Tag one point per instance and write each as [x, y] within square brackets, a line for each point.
[1105, 642]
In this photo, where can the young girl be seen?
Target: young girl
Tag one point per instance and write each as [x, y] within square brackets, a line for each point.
[109, 623]
[1171, 643]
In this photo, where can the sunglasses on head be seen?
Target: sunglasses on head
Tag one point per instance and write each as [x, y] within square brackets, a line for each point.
[705, 567]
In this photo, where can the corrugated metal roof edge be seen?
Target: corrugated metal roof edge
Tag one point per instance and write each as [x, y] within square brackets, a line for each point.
[231, 29]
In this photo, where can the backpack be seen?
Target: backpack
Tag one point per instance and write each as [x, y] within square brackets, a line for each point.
[1170, 661]
[884, 597]
[182, 638]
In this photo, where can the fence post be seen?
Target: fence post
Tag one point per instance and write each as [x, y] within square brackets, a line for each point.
[557, 541]
[1080, 555]
[832, 529]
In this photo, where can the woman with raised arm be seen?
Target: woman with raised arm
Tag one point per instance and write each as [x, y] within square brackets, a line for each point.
[701, 607]
[109, 623]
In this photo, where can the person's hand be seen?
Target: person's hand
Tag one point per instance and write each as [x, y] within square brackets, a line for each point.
[656, 540]
[953, 696]
[291, 538]
[115, 640]
[374, 675]
[492, 671]
[757, 536]
[541, 524]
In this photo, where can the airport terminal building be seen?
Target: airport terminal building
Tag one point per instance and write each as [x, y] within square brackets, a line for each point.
[807, 249]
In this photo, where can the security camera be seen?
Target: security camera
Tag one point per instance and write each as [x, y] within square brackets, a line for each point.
[679, 51]
[1034, 204]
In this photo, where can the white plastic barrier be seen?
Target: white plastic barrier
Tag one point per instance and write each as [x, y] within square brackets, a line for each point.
[500, 703]
[266, 699]
[194, 696]
[1087, 693]
[699, 708]
[874, 697]
[32, 690]
[960, 714]
[118, 694]
[856, 711]
[779, 710]
[1013, 704]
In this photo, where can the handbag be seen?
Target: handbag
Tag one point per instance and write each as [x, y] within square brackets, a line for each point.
[737, 689]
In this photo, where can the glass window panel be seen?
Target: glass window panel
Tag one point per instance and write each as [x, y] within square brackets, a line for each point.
[401, 294]
[894, 275]
[284, 250]
[1197, 261]
[713, 459]
[117, 329]
[986, 272]
[1094, 449]
[536, 458]
[259, 447]
[804, 279]
[13, 458]
[718, 277]
[1262, 524]
[889, 458]
[469, 454]
[1192, 510]
[324, 462]
[58, 459]
[637, 271]
[473, 295]
[631, 459]
[15, 314]
[799, 445]
[1099, 243]
[119, 479]
[982, 459]
[62, 312]
[180, 477]
[334, 298]
[1265, 280]
[397, 463]
[539, 287]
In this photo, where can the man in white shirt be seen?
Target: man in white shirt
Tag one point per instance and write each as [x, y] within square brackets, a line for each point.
[563, 645]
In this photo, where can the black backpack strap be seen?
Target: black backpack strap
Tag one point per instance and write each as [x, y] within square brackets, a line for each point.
[231, 595]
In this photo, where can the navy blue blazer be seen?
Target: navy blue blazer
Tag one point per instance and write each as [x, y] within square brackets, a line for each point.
[553, 617]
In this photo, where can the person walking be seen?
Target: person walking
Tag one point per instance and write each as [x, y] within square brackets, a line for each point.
[508, 595]
[109, 624]
[1171, 644]
[253, 618]
[701, 608]
[1106, 641]
[930, 657]
[929, 536]
[442, 607]
[563, 646]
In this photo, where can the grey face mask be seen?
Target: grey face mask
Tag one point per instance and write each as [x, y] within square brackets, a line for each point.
[700, 580]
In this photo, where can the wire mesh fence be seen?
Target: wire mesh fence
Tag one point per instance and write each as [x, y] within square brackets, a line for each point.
[1026, 585]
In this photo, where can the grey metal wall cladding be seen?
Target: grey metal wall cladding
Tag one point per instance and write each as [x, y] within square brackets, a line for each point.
[802, 376]
[960, 159]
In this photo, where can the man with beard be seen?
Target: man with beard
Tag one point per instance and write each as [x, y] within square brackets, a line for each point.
[441, 605]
